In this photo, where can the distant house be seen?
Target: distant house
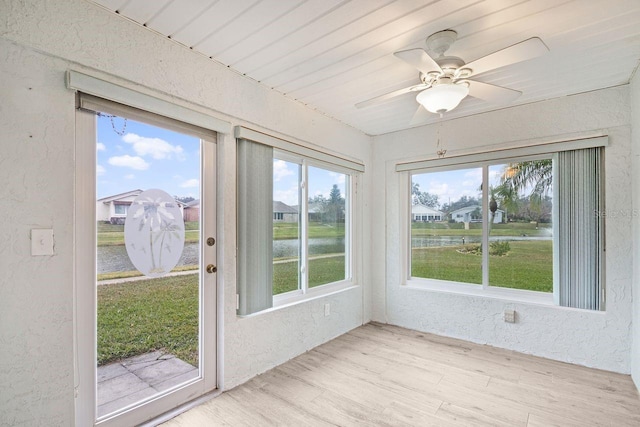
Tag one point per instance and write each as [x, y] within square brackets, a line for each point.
[284, 213]
[192, 211]
[473, 214]
[114, 209]
[422, 213]
[315, 211]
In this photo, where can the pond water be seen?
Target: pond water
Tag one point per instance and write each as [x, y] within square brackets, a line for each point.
[115, 258]
[319, 246]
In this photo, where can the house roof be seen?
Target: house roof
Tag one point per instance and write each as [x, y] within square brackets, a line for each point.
[283, 208]
[193, 204]
[422, 209]
[120, 196]
[470, 209]
[132, 193]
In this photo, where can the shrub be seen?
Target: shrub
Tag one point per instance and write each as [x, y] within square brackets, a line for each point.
[499, 248]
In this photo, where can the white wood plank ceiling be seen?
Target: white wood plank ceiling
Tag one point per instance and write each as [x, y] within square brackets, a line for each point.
[332, 54]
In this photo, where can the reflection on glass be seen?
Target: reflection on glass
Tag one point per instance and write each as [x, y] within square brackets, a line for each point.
[520, 224]
[326, 225]
[286, 226]
[446, 225]
[147, 328]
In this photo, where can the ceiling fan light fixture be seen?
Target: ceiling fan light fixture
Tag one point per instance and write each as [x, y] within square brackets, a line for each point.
[443, 97]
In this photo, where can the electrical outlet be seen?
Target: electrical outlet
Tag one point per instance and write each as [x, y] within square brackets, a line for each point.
[510, 316]
[327, 310]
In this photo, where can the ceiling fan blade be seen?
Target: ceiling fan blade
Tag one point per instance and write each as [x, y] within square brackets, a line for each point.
[419, 59]
[491, 93]
[522, 51]
[390, 95]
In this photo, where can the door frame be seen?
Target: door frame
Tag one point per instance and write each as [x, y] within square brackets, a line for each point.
[85, 297]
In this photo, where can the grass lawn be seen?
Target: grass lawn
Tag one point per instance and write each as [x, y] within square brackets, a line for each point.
[148, 315]
[528, 265]
[289, 230]
[110, 234]
[321, 272]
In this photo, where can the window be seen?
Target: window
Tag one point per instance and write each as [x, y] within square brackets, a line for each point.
[307, 198]
[437, 248]
[287, 256]
[120, 209]
[529, 223]
[319, 259]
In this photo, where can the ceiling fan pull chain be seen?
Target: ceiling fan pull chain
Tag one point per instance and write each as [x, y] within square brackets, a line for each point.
[440, 152]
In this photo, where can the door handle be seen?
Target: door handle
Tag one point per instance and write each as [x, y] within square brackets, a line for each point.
[211, 268]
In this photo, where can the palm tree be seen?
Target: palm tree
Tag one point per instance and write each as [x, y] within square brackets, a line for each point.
[535, 177]
[536, 174]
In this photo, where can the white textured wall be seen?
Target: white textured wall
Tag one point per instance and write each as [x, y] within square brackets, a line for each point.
[39, 41]
[635, 151]
[596, 339]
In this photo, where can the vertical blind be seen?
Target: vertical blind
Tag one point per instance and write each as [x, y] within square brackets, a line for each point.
[255, 228]
[580, 243]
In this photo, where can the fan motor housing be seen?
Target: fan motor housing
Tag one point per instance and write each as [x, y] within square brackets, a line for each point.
[449, 62]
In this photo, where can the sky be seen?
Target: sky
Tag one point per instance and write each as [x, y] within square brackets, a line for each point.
[145, 157]
[133, 155]
[450, 186]
[286, 179]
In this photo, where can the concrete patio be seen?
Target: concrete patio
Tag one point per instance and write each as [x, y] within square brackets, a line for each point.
[131, 380]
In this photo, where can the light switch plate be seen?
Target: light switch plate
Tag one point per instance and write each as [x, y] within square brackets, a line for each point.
[41, 242]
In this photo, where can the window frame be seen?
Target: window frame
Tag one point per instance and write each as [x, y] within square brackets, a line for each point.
[85, 272]
[323, 158]
[484, 160]
[304, 291]
[485, 265]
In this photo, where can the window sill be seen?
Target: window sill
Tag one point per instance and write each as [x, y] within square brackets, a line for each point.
[297, 297]
[503, 294]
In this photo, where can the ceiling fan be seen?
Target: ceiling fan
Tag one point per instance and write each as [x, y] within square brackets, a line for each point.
[446, 80]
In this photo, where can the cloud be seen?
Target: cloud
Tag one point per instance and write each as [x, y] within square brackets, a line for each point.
[129, 176]
[190, 183]
[281, 170]
[156, 148]
[339, 178]
[127, 161]
[100, 170]
[289, 197]
[100, 147]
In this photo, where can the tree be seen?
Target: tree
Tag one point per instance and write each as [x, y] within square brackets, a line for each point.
[334, 195]
[332, 209]
[533, 177]
[184, 199]
[423, 198]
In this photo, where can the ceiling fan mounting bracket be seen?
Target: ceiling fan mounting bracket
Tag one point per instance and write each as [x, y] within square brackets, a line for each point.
[439, 42]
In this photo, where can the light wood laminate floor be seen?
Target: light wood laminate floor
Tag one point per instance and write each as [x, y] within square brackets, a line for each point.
[389, 376]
